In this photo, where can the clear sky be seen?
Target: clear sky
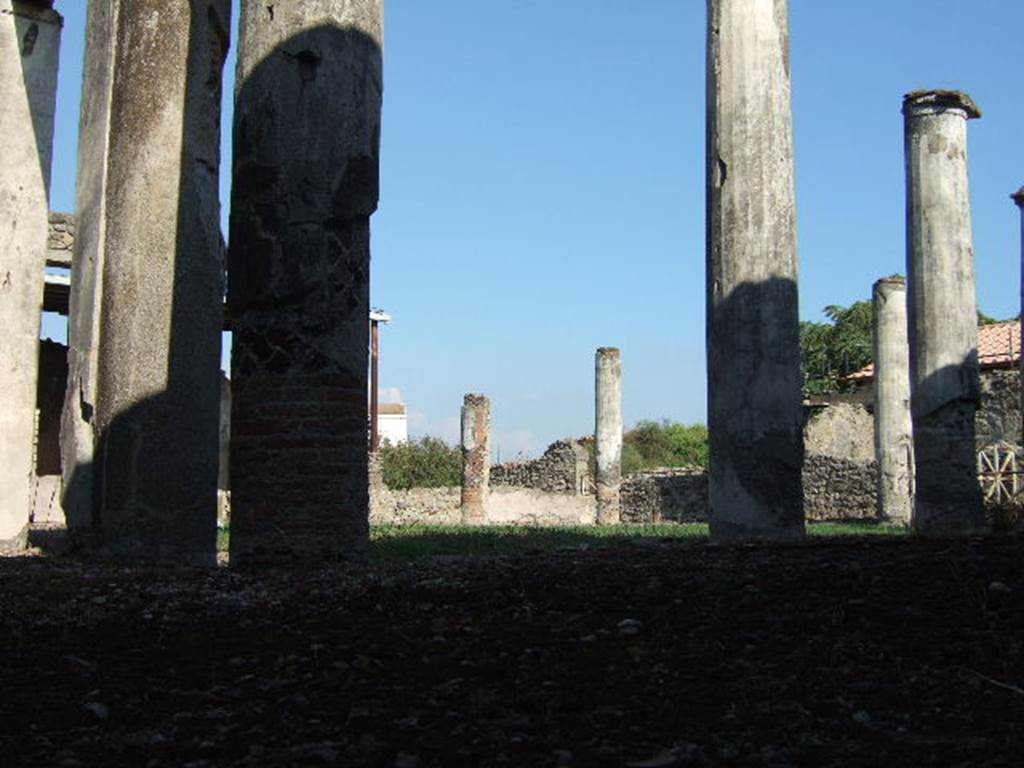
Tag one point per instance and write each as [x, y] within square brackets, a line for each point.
[542, 187]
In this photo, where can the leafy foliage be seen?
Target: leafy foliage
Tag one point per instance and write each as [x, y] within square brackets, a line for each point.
[831, 351]
[653, 444]
[426, 463]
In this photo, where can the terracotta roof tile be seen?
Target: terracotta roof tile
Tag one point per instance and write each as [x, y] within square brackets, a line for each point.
[998, 347]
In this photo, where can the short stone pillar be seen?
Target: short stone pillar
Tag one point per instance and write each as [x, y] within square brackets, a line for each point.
[476, 458]
[139, 430]
[29, 47]
[942, 309]
[894, 434]
[753, 342]
[306, 157]
[608, 433]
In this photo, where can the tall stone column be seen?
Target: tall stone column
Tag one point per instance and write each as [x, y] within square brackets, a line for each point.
[476, 458]
[140, 426]
[943, 321]
[753, 346]
[1018, 199]
[608, 433]
[29, 47]
[306, 156]
[894, 435]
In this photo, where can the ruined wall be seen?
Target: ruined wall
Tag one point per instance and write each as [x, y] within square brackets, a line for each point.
[840, 471]
[666, 495]
[562, 469]
[999, 417]
[505, 506]
[839, 489]
[60, 239]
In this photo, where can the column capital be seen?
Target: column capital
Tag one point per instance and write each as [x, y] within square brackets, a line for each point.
[896, 281]
[1018, 197]
[929, 102]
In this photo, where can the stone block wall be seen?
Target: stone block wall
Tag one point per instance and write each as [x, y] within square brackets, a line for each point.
[60, 240]
[667, 495]
[839, 489]
[562, 469]
[999, 417]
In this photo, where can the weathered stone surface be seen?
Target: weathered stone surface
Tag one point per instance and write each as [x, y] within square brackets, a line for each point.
[1018, 199]
[140, 423]
[29, 52]
[60, 240]
[476, 458]
[667, 495]
[306, 151]
[843, 430]
[839, 489]
[562, 469]
[942, 312]
[754, 405]
[608, 432]
[894, 434]
[999, 414]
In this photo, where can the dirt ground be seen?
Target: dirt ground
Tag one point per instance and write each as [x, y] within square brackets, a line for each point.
[836, 652]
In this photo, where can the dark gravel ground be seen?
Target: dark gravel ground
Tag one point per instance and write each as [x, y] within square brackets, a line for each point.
[834, 652]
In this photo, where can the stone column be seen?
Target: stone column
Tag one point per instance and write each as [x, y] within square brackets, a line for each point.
[894, 436]
[29, 47]
[1018, 199]
[476, 458]
[608, 433]
[942, 311]
[753, 345]
[140, 424]
[306, 156]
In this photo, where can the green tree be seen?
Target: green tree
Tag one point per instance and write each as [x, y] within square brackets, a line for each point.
[657, 444]
[426, 463]
[831, 351]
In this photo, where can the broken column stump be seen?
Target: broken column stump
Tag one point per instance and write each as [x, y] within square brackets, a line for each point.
[476, 458]
[29, 54]
[894, 435]
[753, 346]
[608, 433]
[306, 156]
[942, 312]
[139, 430]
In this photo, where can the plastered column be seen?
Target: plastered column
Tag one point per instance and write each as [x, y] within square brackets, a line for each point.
[754, 401]
[894, 436]
[306, 156]
[608, 433]
[140, 426]
[942, 312]
[29, 46]
[476, 458]
[1018, 198]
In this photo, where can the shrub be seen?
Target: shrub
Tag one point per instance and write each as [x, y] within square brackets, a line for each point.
[653, 444]
[426, 463]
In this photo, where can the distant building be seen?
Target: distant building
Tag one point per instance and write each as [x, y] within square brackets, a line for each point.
[392, 423]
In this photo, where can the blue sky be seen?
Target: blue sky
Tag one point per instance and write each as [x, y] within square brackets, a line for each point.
[542, 188]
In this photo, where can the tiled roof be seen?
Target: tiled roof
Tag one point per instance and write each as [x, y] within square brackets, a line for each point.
[391, 409]
[998, 347]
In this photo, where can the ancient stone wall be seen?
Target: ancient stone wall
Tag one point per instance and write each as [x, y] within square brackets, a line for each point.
[562, 469]
[840, 472]
[60, 240]
[667, 495]
[505, 506]
[839, 489]
[999, 417]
